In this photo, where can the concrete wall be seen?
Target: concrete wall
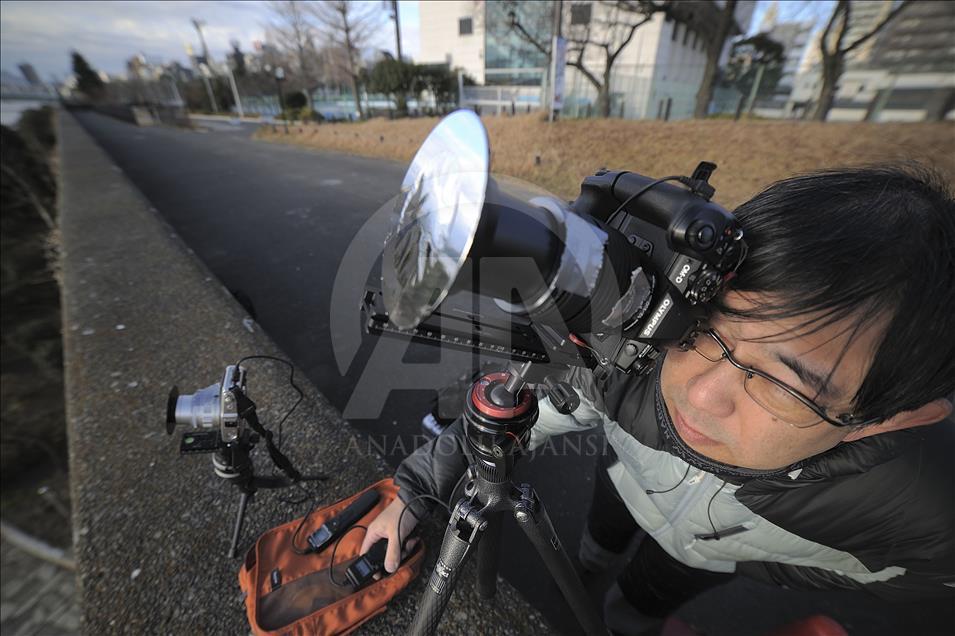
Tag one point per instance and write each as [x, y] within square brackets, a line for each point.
[145, 115]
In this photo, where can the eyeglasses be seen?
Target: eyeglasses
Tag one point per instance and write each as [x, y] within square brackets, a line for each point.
[777, 397]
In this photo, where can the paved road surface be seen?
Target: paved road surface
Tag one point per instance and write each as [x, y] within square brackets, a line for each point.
[274, 222]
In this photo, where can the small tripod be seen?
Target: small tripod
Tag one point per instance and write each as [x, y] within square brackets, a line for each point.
[499, 412]
[233, 463]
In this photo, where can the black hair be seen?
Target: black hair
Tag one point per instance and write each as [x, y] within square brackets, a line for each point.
[874, 246]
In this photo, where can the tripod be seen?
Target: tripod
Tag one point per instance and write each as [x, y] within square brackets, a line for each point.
[500, 411]
[232, 462]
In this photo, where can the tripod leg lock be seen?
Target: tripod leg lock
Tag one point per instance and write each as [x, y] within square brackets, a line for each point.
[471, 516]
[526, 504]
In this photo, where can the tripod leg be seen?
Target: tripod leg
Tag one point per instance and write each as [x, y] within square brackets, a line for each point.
[463, 531]
[487, 558]
[533, 520]
[243, 500]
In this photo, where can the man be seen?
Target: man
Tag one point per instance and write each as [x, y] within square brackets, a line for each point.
[803, 439]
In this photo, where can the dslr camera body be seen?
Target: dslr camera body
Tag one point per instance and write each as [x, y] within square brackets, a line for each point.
[607, 281]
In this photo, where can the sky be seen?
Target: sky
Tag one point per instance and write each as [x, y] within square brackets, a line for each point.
[109, 33]
[817, 11]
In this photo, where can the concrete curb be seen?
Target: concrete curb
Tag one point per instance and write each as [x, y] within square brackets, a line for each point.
[151, 528]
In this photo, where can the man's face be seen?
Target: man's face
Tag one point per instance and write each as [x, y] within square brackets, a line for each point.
[715, 416]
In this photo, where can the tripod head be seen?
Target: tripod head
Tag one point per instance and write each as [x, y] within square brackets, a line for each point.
[233, 462]
[499, 412]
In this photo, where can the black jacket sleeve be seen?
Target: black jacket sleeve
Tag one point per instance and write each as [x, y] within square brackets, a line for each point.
[911, 586]
[434, 469]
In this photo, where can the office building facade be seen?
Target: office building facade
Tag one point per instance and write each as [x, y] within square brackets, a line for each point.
[656, 75]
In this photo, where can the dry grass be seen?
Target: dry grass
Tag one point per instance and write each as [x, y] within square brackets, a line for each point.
[750, 154]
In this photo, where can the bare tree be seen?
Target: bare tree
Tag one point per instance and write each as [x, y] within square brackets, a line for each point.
[714, 36]
[333, 62]
[834, 49]
[294, 33]
[348, 27]
[605, 27]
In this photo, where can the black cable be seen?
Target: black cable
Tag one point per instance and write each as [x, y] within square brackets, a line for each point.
[408, 507]
[716, 535]
[331, 566]
[305, 495]
[291, 381]
[455, 489]
[671, 489]
[301, 524]
[642, 190]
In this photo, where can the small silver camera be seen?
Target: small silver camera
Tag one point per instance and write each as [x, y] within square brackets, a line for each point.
[213, 407]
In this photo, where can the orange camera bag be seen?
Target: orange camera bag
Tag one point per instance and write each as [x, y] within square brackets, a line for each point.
[306, 602]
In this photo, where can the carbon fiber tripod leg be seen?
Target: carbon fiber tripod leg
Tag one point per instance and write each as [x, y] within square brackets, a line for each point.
[464, 530]
[487, 558]
[533, 520]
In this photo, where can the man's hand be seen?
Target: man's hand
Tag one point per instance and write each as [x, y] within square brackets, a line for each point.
[385, 526]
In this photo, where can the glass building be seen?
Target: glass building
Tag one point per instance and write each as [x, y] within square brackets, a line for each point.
[510, 59]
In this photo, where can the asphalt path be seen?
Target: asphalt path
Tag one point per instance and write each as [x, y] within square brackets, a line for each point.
[276, 223]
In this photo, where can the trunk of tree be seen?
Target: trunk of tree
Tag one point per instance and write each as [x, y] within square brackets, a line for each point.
[714, 49]
[354, 88]
[705, 94]
[831, 72]
[603, 100]
[604, 104]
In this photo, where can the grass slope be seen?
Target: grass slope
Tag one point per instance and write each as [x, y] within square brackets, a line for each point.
[750, 154]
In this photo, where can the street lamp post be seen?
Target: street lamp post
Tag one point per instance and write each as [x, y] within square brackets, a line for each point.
[279, 76]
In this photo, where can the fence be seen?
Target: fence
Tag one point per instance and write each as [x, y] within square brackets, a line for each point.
[137, 91]
[494, 100]
[662, 91]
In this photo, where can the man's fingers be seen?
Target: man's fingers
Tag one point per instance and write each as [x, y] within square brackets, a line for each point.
[370, 538]
[392, 556]
[409, 546]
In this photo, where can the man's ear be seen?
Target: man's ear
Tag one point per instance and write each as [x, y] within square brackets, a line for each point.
[926, 414]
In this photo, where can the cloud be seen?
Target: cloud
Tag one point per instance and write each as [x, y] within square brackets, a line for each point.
[109, 33]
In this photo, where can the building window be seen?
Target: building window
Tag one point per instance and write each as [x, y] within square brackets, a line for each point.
[465, 26]
[580, 13]
[676, 28]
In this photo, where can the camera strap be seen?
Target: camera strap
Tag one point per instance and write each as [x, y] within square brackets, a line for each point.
[246, 410]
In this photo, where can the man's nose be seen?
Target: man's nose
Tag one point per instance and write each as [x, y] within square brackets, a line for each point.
[714, 389]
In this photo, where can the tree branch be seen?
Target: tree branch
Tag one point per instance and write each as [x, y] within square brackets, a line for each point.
[824, 41]
[879, 27]
[579, 65]
[530, 38]
[633, 29]
[844, 27]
